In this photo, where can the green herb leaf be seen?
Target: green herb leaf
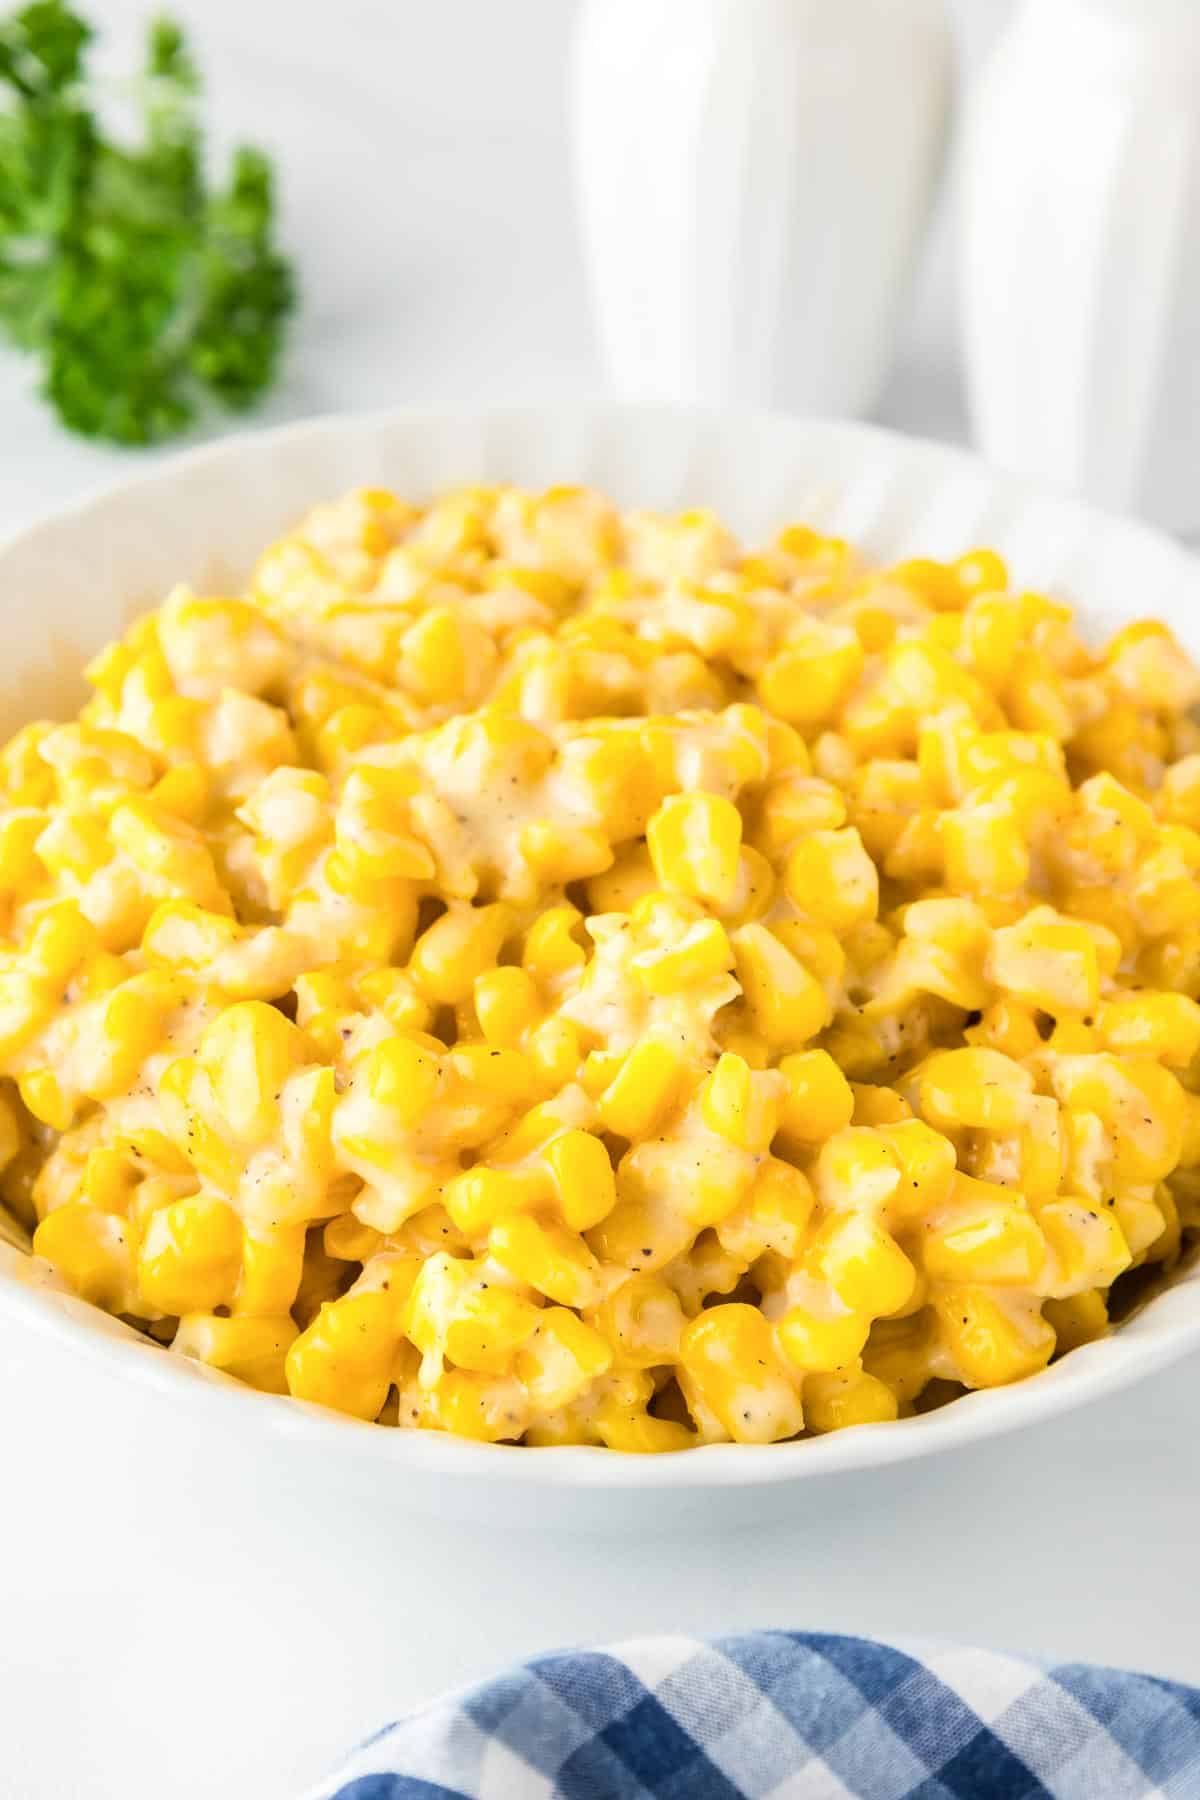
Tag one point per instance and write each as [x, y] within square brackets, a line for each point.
[144, 294]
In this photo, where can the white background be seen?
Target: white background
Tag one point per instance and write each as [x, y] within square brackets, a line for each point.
[141, 1653]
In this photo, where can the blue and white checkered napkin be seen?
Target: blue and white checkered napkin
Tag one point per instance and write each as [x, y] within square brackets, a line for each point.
[778, 1715]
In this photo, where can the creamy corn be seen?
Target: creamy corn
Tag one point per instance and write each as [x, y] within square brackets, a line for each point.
[558, 977]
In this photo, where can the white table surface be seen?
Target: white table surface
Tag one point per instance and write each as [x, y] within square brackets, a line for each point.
[429, 202]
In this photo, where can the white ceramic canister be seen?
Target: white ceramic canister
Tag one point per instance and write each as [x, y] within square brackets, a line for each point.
[754, 180]
[1081, 251]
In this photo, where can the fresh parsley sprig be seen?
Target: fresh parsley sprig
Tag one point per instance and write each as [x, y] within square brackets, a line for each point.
[145, 294]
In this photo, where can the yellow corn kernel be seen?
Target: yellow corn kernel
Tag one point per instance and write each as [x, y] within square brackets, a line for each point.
[252, 1349]
[1189, 1148]
[185, 791]
[787, 1004]
[617, 888]
[1144, 1223]
[167, 850]
[480, 1196]
[1079, 1319]
[985, 1235]
[857, 1170]
[773, 1217]
[863, 1264]
[403, 1076]
[42, 1095]
[555, 1261]
[506, 1005]
[694, 841]
[349, 1240]
[490, 1327]
[560, 1359]
[190, 1256]
[433, 658]
[110, 1178]
[554, 1052]
[985, 850]
[456, 949]
[1142, 1104]
[126, 1028]
[1049, 962]
[817, 1099]
[1087, 1246]
[558, 852]
[181, 934]
[344, 1358]
[272, 1266]
[550, 949]
[486, 1407]
[739, 1104]
[731, 1368]
[183, 1091]
[375, 841]
[937, 583]
[836, 1400]
[643, 1090]
[641, 1434]
[1164, 1026]
[250, 1050]
[583, 1176]
[825, 1341]
[981, 572]
[1179, 796]
[20, 862]
[808, 681]
[489, 1074]
[927, 1167]
[703, 953]
[875, 1105]
[1007, 1026]
[60, 941]
[643, 1321]
[392, 991]
[91, 1251]
[74, 844]
[830, 877]
[794, 805]
[1150, 665]
[638, 1234]
[989, 1342]
[974, 1089]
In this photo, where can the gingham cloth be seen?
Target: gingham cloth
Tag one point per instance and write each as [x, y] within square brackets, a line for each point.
[779, 1715]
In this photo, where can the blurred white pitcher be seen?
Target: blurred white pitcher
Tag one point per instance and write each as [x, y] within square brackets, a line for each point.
[754, 179]
[1081, 188]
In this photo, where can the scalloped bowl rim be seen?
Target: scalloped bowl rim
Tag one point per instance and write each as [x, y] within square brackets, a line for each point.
[1163, 1329]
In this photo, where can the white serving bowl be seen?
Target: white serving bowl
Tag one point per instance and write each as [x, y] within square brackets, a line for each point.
[70, 583]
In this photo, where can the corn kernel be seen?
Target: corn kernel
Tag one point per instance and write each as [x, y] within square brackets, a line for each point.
[989, 1344]
[583, 1176]
[827, 1341]
[817, 1100]
[190, 1256]
[836, 1400]
[830, 877]
[554, 1261]
[642, 1091]
[694, 841]
[344, 1358]
[739, 1104]
[863, 1264]
[731, 1368]
[788, 1004]
[253, 1350]
[91, 1251]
